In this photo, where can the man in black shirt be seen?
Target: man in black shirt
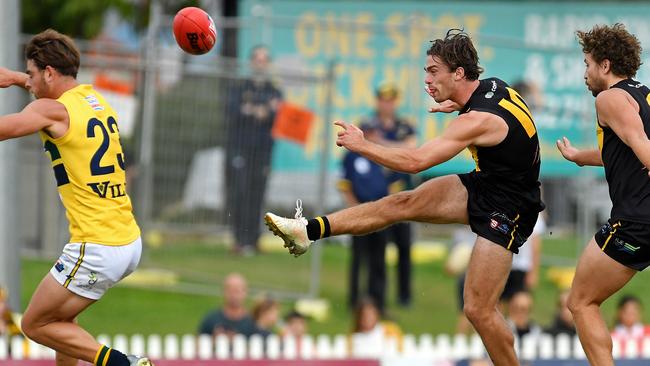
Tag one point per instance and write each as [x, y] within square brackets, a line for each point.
[250, 111]
[622, 246]
[233, 318]
[500, 199]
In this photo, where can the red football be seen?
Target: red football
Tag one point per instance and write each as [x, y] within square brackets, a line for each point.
[194, 30]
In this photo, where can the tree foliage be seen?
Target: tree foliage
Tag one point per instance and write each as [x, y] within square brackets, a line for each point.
[77, 18]
[85, 18]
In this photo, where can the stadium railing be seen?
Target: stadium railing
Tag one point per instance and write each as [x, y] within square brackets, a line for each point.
[425, 349]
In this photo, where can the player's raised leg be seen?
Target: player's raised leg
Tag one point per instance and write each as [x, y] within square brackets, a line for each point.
[586, 296]
[486, 277]
[440, 200]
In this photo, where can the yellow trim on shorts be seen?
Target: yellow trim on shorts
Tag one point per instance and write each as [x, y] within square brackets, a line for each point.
[106, 356]
[611, 233]
[82, 251]
[512, 234]
[322, 226]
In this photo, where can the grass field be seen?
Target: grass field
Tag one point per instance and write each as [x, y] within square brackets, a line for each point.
[130, 310]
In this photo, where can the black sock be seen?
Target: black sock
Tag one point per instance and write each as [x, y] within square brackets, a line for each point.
[318, 228]
[109, 357]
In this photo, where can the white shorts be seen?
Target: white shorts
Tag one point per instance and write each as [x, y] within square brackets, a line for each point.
[89, 270]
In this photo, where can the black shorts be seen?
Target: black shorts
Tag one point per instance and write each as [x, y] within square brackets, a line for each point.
[626, 242]
[495, 218]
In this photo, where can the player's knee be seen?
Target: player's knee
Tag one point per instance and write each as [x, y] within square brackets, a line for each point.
[576, 304]
[29, 327]
[475, 313]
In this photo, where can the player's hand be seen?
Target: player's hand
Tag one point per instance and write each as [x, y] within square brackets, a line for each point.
[7, 77]
[10, 77]
[350, 137]
[568, 151]
[446, 106]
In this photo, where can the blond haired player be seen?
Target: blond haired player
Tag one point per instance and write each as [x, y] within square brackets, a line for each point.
[80, 135]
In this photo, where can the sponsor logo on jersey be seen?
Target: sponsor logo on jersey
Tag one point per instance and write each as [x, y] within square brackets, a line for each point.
[94, 103]
[490, 94]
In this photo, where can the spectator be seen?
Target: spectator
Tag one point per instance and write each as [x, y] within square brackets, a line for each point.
[370, 332]
[629, 323]
[397, 132]
[8, 327]
[520, 308]
[233, 318]
[265, 315]
[295, 325]
[250, 112]
[563, 322]
[365, 181]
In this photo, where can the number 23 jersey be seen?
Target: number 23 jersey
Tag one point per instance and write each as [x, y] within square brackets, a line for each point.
[89, 168]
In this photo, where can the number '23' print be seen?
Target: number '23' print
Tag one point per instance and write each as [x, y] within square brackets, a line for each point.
[96, 167]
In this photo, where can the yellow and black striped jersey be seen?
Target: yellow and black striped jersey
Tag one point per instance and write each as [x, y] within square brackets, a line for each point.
[627, 177]
[511, 168]
[88, 166]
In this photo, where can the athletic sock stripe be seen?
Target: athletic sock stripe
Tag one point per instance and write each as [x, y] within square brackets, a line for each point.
[82, 251]
[322, 226]
[108, 354]
[101, 355]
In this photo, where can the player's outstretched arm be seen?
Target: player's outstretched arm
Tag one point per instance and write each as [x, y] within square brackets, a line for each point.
[461, 132]
[580, 157]
[619, 111]
[41, 114]
[10, 78]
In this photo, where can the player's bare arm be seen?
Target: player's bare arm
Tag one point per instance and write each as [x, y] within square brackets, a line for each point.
[41, 114]
[473, 128]
[409, 142]
[617, 110]
[10, 78]
[583, 157]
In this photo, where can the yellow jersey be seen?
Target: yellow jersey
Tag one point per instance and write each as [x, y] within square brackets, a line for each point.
[88, 166]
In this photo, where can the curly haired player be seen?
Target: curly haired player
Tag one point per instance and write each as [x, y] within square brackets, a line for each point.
[622, 246]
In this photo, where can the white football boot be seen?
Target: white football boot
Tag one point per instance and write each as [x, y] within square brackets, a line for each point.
[292, 231]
